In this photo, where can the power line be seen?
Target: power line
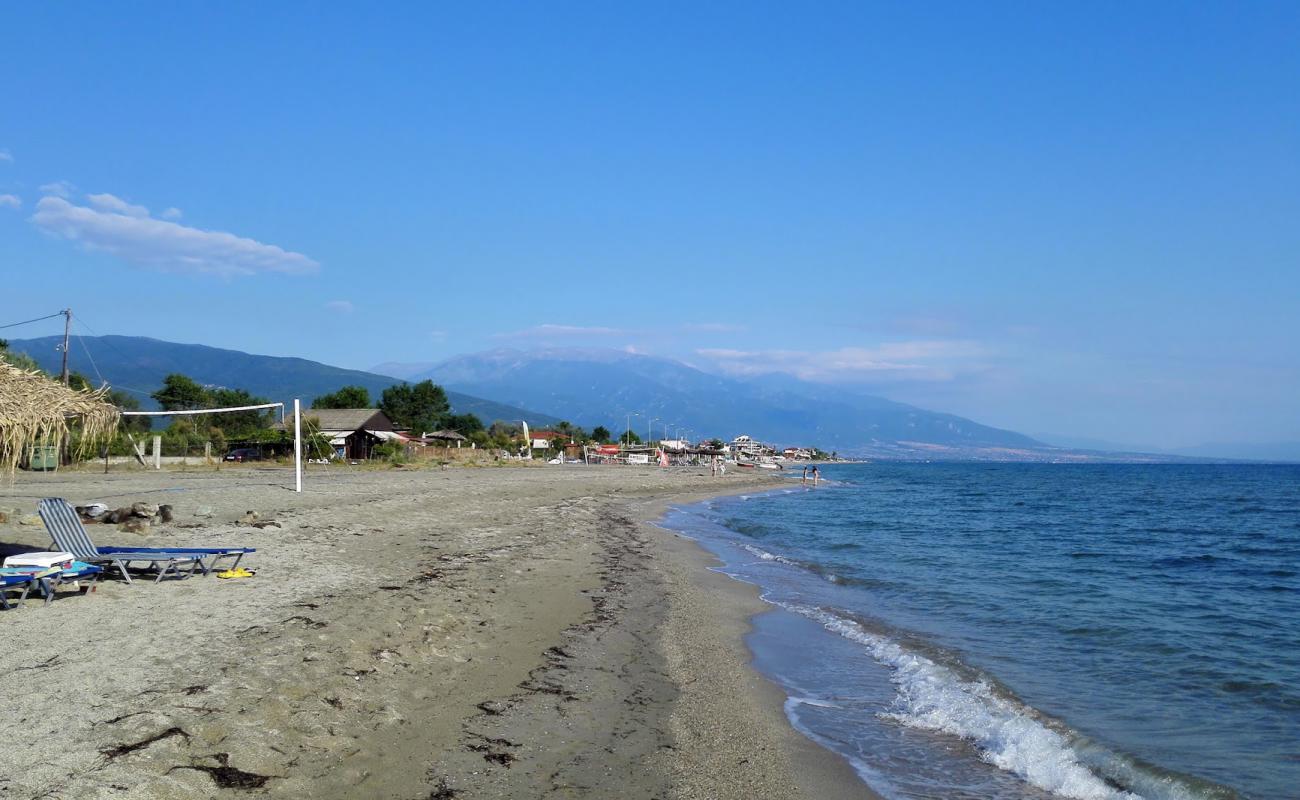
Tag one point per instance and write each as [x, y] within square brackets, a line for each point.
[81, 320]
[30, 321]
[91, 359]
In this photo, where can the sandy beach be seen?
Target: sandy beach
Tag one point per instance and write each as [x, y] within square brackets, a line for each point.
[472, 632]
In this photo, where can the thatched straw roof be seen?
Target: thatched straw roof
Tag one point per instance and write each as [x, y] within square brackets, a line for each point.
[36, 410]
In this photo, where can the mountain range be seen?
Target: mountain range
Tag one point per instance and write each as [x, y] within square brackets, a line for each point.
[591, 386]
[138, 365]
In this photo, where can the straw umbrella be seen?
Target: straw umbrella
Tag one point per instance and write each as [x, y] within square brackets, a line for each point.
[35, 410]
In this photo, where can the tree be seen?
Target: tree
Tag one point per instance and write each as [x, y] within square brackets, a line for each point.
[181, 393]
[464, 424]
[79, 382]
[238, 423]
[417, 408]
[126, 402]
[347, 397]
[630, 437]
[601, 434]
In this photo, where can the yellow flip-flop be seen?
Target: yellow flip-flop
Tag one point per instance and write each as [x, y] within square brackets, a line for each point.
[237, 572]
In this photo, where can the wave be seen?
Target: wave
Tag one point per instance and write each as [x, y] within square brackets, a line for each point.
[1007, 733]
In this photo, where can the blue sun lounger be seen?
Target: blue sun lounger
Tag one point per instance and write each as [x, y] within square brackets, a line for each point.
[47, 579]
[14, 582]
[66, 530]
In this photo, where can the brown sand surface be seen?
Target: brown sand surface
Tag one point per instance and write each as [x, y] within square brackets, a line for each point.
[466, 633]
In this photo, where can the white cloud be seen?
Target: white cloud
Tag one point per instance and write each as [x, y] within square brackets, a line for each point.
[552, 330]
[6, 156]
[116, 227]
[10, 201]
[58, 189]
[116, 205]
[438, 336]
[914, 361]
[171, 213]
[339, 306]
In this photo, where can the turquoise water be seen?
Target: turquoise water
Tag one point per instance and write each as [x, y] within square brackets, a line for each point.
[1033, 631]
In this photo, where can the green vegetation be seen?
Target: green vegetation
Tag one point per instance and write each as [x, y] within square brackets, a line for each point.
[348, 397]
[629, 437]
[600, 434]
[416, 407]
[20, 360]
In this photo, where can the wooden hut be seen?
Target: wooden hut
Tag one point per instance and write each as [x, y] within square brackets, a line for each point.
[36, 410]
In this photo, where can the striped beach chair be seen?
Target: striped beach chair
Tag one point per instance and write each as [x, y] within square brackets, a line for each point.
[70, 536]
[208, 557]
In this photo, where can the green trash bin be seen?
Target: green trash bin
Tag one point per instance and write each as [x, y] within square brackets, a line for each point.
[43, 457]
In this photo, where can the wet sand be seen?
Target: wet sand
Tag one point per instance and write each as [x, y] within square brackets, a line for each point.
[467, 633]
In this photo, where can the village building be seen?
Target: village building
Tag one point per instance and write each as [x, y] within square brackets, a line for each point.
[544, 440]
[353, 432]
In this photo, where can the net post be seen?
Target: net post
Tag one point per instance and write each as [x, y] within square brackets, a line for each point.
[297, 444]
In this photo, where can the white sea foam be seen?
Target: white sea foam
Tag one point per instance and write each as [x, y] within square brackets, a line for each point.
[934, 697]
[808, 701]
[765, 556]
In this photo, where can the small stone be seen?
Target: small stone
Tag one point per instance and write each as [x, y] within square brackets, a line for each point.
[144, 510]
[165, 513]
[135, 525]
[117, 515]
[248, 519]
[203, 511]
[30, 519]
[4, 518]
[92, 510]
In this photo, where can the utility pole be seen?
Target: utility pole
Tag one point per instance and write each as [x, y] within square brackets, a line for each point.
[67, 331]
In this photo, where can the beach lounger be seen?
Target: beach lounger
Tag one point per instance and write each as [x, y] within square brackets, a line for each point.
[13, 582]
[69, 535]
[50, 578]
[214, 553]
[209, 557]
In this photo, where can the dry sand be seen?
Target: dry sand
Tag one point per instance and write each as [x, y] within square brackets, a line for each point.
[456, 633]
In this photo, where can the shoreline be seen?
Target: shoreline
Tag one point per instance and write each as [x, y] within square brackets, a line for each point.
[435, 633]
[731, 715]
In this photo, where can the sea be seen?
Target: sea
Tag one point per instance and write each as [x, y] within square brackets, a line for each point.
[1031, 630]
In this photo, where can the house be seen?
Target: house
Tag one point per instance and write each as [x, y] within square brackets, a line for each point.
[542, 440]
[353, 432]
[745, 447]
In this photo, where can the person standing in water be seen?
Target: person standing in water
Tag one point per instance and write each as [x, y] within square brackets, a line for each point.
[817, 475]
[805, 474]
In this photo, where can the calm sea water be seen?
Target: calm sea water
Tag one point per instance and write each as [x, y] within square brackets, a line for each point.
[1033, 631]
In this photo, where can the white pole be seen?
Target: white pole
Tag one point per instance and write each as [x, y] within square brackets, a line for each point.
[297, 444]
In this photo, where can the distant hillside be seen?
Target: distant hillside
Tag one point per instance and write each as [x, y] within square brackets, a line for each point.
[138, 364]
[591, 387]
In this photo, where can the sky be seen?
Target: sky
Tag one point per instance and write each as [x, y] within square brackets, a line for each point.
[1078, 219]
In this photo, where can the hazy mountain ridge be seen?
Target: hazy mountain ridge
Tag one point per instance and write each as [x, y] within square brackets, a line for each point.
[138, 364]
[602, 386]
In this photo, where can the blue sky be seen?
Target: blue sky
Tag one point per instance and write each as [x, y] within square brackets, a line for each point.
[1079, 220]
